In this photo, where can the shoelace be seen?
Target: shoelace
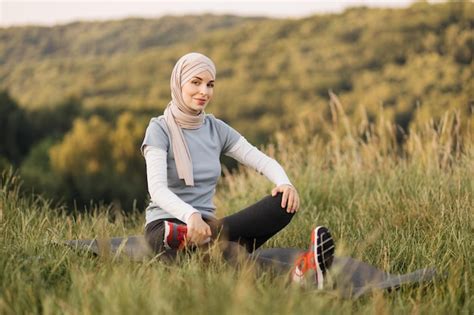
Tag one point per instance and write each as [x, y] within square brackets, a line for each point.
[305, 262]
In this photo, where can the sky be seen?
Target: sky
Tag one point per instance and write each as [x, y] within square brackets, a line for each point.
[41, 12]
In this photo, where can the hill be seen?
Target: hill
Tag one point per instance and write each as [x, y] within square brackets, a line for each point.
[267, 68]
[80, 39]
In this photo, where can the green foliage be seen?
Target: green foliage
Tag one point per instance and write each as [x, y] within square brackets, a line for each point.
[100, 161]
[38, 175]
[15, 137]
[22, 129]
[54, 121]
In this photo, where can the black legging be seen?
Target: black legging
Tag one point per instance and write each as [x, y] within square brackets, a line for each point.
[250, 228]
[254, 225]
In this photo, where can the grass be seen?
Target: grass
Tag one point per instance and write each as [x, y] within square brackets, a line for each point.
[398, 207]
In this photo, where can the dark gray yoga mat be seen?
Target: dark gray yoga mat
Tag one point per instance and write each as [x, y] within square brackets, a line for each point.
[349, 277]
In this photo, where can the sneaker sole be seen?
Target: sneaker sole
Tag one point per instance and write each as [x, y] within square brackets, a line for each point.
[323, 251]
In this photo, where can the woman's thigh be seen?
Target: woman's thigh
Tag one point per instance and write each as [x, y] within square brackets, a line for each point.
[255, 224]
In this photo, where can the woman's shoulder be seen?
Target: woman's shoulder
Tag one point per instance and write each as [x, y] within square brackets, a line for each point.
[216, 121]
[210, 117]
[228, 135]
[158, 122]
[157, 133]
[157, 128]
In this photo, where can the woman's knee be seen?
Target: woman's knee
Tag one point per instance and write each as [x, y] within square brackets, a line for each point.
[276, 201]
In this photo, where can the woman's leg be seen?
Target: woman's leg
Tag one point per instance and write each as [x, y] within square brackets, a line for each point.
[282, 260]
[303, 266]
[155, 235]
[251, 227]
[255, 224]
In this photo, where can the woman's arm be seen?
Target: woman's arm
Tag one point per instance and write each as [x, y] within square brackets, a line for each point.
[198, 230]
[249, 155]
[156, 171]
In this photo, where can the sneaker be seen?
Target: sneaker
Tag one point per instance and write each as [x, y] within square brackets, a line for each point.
[175, 235]
[317, 260]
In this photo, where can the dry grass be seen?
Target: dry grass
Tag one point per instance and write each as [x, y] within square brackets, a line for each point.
[397, 207]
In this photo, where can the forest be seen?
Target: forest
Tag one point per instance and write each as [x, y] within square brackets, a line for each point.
[75, 99]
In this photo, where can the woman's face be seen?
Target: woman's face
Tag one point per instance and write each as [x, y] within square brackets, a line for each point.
[198, 91]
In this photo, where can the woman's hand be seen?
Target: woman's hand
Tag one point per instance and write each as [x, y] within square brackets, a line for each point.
[198, 230]
[290, 199]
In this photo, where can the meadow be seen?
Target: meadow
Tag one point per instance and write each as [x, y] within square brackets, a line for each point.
[398, 205]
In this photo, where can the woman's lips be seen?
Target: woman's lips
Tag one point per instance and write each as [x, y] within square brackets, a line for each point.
[200, 101]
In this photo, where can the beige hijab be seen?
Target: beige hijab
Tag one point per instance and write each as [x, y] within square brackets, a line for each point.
[177, 113]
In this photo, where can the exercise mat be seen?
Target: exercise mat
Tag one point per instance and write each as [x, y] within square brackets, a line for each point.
[348, 277]
[351, 278]
[135, 247]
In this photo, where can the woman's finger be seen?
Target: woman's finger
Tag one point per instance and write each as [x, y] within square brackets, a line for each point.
[284, 198]
[295, 201]
[278, 190]
[189, 234]
[274, 191]
[195, 238]
[198, 236]
[291, 200]
[202, 232]
[297, 205]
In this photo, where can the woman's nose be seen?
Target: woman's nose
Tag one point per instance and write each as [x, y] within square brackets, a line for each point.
[203, 89]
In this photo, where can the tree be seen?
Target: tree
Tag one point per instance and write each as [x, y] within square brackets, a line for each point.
[15, 138]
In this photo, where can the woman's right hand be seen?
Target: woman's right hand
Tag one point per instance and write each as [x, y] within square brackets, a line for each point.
[198, 231]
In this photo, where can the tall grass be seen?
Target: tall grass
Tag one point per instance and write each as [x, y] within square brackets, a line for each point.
[399, 206]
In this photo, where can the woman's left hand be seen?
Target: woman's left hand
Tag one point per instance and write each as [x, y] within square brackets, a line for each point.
[290, 199]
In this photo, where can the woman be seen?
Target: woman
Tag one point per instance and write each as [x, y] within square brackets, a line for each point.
[182, 149]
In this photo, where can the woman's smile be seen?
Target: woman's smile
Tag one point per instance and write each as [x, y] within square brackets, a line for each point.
[200, 101]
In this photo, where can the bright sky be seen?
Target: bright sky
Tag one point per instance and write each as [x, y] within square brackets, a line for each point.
[21, 12]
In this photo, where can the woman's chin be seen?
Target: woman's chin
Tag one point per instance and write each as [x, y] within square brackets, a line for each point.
[198, 108]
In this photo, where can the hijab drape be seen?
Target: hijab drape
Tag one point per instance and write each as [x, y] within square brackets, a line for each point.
[177, 113]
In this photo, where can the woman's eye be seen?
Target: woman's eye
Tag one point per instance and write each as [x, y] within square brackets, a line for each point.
[211, 85]
[195, 82]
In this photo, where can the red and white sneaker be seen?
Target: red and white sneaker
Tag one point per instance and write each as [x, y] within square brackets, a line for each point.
[317, 260]
[175, 235]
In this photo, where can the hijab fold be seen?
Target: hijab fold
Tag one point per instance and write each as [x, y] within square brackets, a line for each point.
[179, 116]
